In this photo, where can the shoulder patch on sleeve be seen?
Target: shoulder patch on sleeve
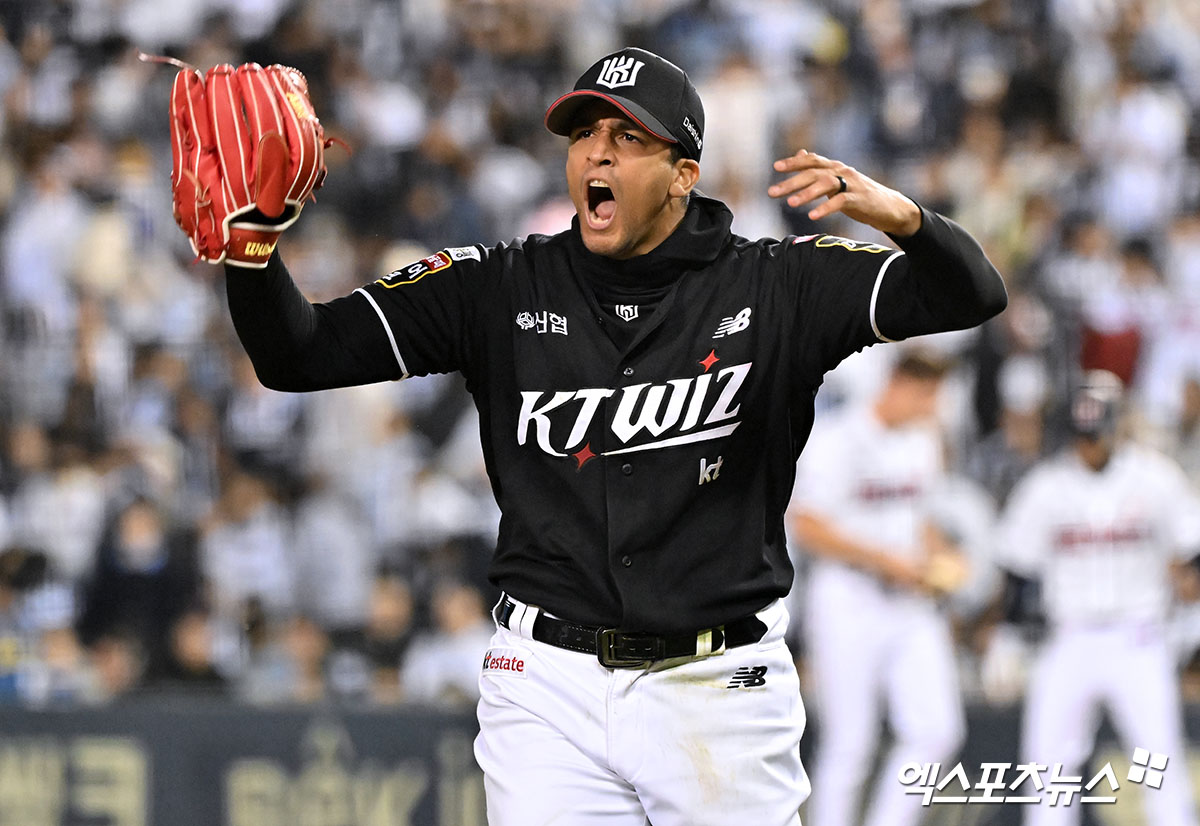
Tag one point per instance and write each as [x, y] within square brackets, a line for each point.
[416, 271]
[845, 243]
[463, 253]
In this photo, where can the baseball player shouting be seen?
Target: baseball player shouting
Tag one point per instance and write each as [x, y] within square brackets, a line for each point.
[877, 637]
[645, 382]
[1100, 527]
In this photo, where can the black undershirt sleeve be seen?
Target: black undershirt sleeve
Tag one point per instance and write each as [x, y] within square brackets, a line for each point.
[948, 283]
[296, 345]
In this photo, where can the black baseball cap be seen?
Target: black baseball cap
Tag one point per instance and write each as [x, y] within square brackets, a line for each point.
[655, 93]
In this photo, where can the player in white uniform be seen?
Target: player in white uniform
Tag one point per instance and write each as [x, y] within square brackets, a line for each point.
[1100, 527]
[875, 632]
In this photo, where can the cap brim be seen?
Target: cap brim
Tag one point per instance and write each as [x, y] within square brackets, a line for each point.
[560, 117]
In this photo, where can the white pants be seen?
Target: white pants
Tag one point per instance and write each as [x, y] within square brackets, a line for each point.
[871, 652]
[1129, 670]
[564, 740]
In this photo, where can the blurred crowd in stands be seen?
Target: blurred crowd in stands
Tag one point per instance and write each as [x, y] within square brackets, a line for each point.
[168, 524]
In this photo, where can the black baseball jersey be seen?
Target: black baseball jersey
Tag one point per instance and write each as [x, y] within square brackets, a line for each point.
[641, 420]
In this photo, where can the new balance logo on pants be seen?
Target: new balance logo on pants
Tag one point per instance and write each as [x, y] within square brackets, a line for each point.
[749, 677]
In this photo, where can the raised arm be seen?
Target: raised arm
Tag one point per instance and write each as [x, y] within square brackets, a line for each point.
[248, 151]
[298, 346]
[948, 283]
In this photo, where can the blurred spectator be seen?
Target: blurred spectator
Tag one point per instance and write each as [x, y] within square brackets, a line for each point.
[118, 664]
[1122, 320]
[387, 635]
[146, 574]
[388, 475]
[1144, 121]
[197, 431]
[263, 427]
[21, 570]
[56, 672]
[442, 665]
[190, 666]
[1001, 458]
[59, 503]
[158, 375]
[332, 557]
[307, 645]
[246, 551]
[287, 660]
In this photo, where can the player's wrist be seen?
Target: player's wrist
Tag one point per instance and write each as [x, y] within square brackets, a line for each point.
[908, 219]
[250, 248]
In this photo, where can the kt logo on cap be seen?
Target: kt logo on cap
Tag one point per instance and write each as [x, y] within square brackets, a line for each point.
[619, 71]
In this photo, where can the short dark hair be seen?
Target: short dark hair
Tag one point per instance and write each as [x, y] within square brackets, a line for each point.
[922, 364]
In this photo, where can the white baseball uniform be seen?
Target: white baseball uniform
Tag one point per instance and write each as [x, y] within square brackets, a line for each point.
[870, 644]
[1101, 543]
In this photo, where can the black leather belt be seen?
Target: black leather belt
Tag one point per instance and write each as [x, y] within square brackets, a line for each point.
[635, 649]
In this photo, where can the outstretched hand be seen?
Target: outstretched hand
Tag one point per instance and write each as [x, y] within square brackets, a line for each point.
[846, 190]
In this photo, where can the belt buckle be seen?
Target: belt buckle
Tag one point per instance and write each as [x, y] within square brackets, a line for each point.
[617, 649]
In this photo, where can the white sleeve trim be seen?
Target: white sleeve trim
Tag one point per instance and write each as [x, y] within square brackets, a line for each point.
[875, 296]
[387, 328]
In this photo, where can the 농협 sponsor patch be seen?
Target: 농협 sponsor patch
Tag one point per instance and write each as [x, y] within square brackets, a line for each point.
[505, 662]
[416, 271]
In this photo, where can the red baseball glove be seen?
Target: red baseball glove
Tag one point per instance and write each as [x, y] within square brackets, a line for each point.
[248, 152]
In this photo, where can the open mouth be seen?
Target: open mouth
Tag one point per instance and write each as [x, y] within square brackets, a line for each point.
[602, 205]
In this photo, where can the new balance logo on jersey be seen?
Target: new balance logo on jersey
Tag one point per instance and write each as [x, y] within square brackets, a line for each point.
[626, 312]
[644, 416]
[619, 71]
[750, 676]
[733, 324]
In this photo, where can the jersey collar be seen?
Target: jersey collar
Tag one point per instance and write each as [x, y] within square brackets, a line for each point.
[695, 243]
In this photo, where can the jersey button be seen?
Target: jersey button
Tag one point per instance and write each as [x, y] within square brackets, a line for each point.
[627, 469]
[628, 371]
[626, 561]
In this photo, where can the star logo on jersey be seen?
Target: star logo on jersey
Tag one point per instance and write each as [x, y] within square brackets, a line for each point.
[583, 456]
[733, 324]
[750, 676]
